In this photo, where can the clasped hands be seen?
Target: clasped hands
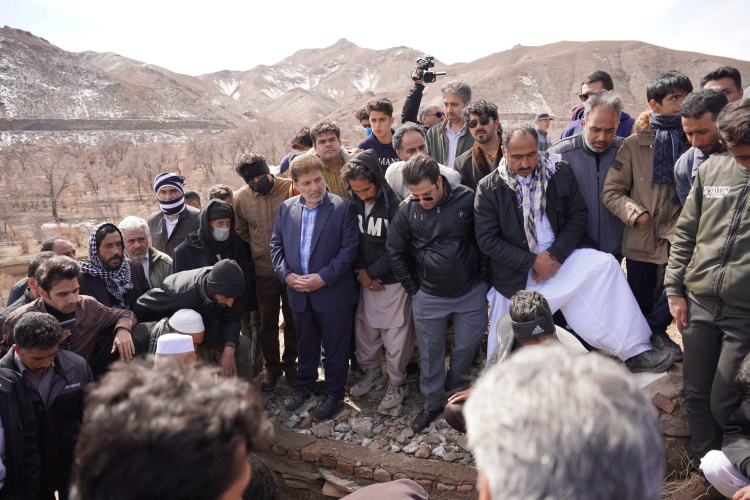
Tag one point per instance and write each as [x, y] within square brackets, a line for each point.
[304, 284]
[545, 267]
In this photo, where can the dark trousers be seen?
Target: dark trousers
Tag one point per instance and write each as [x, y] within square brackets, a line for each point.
[333, 329]
[660, 317]
[250, 328]
[214, 341]
[714, 346]
[642, 278]
[270, 291]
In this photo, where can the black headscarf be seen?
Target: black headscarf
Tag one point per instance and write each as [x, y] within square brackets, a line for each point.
[203, 239]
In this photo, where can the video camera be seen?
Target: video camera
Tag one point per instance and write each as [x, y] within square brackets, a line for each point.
[425, 63]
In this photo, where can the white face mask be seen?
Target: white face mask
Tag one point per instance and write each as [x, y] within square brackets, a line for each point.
[220, 234]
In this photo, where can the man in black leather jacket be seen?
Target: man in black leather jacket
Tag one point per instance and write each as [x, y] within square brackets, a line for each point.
[433, 253]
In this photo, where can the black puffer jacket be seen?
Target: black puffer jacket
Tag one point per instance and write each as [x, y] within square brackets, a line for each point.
[373, 228]
[500, 230]
[435, 249]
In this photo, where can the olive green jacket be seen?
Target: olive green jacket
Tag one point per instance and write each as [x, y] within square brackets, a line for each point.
[710, 256]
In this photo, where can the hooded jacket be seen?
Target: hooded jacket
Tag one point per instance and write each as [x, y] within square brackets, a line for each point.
[628, 193]
[373, 228]
[200, 248]
[435, 250]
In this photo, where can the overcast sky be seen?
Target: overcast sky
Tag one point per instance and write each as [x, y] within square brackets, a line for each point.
[196, 37]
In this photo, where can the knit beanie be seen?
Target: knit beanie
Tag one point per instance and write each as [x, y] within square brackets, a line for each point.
[171, 207]
[226, 279]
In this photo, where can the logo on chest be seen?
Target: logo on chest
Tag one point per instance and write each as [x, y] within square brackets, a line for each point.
[375, 227]
[715, 192]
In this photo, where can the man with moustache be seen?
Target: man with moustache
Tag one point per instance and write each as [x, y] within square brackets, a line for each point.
[326, 137]
[485, 154]
[699, 113]
[108, 276]
[726, 80]
[174, 220]
[449, 140]
[156, 265]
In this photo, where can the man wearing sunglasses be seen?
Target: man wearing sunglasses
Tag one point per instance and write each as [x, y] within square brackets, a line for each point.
[485, 154]
[430, 114]
[433, 254]
[531, 222]
[596, 82]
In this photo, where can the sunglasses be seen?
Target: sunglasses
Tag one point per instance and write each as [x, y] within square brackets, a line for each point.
[439, 114]
[585, 97]
[483, 121]
[417, 198]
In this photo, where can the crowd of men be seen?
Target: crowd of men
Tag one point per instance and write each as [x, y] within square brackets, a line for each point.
[374, 252]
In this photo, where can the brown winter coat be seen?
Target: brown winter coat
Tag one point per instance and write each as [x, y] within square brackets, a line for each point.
[628, 193]
[255, 216]
[90, 318]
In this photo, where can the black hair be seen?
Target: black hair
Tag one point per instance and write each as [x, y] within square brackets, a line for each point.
[668, 82]
[742, 380]
[192, 195]
[221, 192]
[354, 171]
[37, 330]
[54, 270]
[481, 108]
[381, 104]
[519, 129]
[177, 427]
[49, 243]
[37, 261]
[398, 135]
[302, 139]
[703, 101]
[723, 72]
[103, 231]
[249, 160]
[528, 305]
[599, 76]
[733, 123]
[420, 167]
[262, 482]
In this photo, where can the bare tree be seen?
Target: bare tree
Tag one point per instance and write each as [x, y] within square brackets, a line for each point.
[145, 161]
[113, 150]
[59, 173]
[19, 155]
[203, 150]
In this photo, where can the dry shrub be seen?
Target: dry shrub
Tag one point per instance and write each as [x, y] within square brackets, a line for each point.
[22, 240]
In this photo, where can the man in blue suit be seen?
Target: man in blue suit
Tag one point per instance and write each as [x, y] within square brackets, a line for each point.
[314, 244]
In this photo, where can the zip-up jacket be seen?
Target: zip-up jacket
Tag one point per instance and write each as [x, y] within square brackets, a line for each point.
[59, 420]
[710, 256]
[500, 227]
[373, 228]
[435, 249]
[590, 170]
[438, 145]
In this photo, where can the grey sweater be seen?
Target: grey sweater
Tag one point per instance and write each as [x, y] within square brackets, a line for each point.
[590, 171]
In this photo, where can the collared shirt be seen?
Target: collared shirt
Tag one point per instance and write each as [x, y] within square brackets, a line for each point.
[42, 385]
[492, 158]
[308, 226]
[453, 138]
[171, 224]
[334, 182]
[146, 265]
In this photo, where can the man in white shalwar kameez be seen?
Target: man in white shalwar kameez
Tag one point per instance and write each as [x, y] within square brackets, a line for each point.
[531, 221]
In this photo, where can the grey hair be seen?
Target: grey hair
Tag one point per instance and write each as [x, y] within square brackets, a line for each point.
[546, 424]
[424, 111]
[604, 100]
[398, 135]
[132, 223]
[459, 88]
[519, 129]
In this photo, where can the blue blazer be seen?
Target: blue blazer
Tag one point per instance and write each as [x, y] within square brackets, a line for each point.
[334, 247]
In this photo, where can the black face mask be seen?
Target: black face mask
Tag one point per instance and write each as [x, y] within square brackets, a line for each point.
[263, 186]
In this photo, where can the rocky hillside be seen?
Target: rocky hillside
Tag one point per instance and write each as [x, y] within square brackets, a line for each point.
[39, 80]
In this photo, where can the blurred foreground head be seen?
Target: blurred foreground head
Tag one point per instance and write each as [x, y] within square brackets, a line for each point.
[174, 432]
[546, 424]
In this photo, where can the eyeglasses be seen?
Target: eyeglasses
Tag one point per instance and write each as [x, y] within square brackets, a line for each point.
[585, 97]
[439, 114]
[483, 121]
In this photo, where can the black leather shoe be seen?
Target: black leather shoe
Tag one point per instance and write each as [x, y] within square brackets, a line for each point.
[270, 379]
[328, 408]
[302, 398]
[650, 361]
[661, 342]
[423, 419]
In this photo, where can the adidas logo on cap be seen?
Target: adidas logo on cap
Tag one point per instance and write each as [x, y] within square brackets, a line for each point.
[538, 330]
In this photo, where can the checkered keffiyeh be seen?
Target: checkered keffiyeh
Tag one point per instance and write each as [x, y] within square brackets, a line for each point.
[532, 195]
[116, 281]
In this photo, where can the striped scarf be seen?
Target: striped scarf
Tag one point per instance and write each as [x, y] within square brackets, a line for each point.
[119, 281]
[532, 195]
[171, 207]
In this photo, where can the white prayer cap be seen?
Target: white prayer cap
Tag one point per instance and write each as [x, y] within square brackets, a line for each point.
[174, 343]
[187, 321]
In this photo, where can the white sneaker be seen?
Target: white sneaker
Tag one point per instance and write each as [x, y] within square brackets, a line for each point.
[370, 379]
[394, 396]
